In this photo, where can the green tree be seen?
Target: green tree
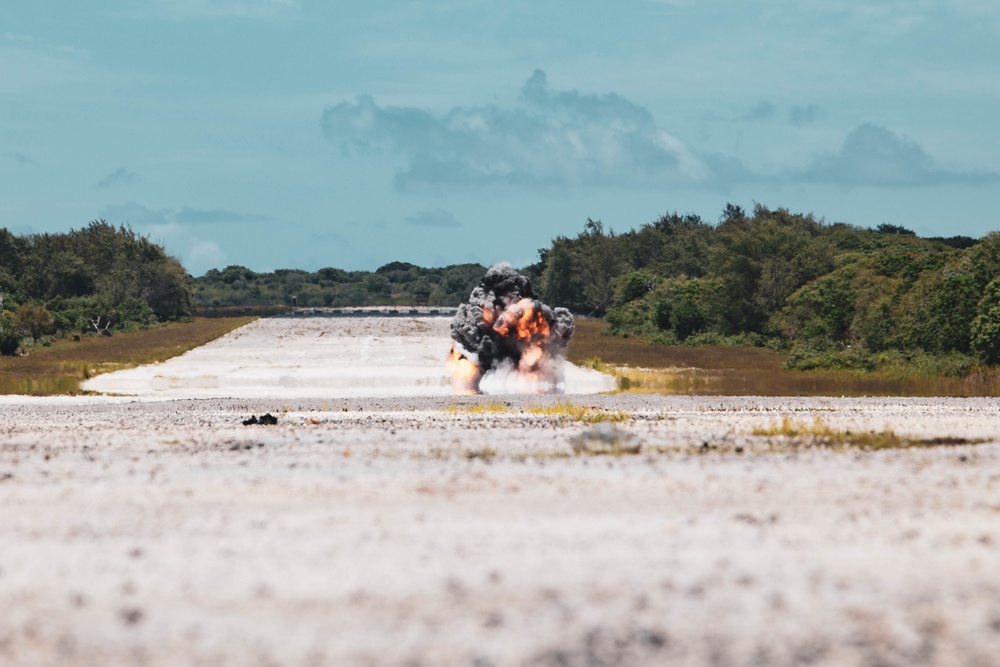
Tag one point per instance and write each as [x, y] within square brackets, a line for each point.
[985, 330]
[822, 308]
[560, 285]
[634, 285]
[939, 311]
[33, 320]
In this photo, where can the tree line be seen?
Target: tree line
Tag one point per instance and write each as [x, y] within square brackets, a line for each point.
[831, 294]
[395, 283]
[96, 279]
[834, 295]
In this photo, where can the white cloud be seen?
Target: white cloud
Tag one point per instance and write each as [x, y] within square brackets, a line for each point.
[549, 139]
[202, 256]
[177, 230]
[875, 156]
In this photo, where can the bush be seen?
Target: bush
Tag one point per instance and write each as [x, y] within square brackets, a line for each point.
[986, 327]
[10, 341]
[33, 320]
[824, 355]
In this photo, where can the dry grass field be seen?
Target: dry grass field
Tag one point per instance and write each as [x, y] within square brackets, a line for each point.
[638, 366]
[713, 370]
[61, 367]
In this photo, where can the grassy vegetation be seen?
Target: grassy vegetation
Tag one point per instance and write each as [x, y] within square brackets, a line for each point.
[564, 411]
[578, 413]
[491, 407]
[820, 434]
[61, 367]
[641, 367]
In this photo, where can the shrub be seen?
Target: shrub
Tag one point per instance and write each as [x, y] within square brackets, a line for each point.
[10, 340]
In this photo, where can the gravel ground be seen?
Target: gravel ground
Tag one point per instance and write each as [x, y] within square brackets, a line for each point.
[430, 531]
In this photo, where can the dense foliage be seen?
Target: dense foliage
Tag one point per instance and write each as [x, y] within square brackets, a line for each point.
[833, 294]
[99, 279]
[396, 283]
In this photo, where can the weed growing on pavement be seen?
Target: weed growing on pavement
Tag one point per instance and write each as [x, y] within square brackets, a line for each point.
[821, 434]
[572, 412]
[485, 454]
[492, 407]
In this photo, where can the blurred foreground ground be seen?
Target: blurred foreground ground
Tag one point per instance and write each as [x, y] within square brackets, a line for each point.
[438, 530]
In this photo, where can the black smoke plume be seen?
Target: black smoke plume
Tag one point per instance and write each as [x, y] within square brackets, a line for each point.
[505, 331]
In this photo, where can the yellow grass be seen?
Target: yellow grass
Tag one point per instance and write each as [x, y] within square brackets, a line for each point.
[573, 412]
[819, 433]
[491, 407]
[564, 411]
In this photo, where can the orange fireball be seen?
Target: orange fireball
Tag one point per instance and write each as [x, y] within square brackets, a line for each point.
[464, 373]
[525, 321]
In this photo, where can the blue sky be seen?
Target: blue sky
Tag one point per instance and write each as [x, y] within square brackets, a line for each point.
[303, 134]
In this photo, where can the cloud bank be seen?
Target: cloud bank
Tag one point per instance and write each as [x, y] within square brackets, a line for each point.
[549, 139]
[552, 139]
[874, 156]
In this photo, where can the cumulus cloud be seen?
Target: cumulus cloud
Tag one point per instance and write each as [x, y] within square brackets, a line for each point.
[120, 176]
[203, 255]
[548, 139]
[875, 156]
[434, 218]
[179, 237]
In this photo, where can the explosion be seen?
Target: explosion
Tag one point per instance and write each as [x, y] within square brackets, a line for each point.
[504, 332]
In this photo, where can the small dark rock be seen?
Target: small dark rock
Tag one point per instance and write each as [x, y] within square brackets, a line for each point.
[264, 420]
[131, 615]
